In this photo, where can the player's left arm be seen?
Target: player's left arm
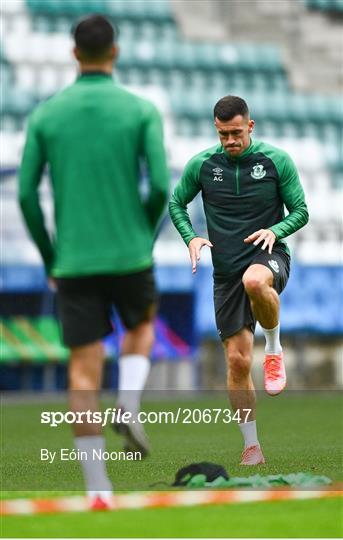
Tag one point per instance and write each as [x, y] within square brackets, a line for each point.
[292, 195]
[155, 155]
[31, 170]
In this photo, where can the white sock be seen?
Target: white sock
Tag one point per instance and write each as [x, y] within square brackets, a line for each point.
[133, 373]
[94, 470]
[249, 433]
[105, 495]
[272, 335]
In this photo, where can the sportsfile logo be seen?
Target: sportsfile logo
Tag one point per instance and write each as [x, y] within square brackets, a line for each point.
[183, 415]
[217, 174]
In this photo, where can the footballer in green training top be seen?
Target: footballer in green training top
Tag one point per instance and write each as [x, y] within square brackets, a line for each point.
[245, 186]
[93, 136]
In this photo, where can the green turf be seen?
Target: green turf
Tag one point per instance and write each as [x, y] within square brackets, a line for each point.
[298, 433]
[293, 519]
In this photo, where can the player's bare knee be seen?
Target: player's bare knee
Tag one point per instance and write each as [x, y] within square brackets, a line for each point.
[85, 367]
[80, 380]
[254, 286]
[239, 365]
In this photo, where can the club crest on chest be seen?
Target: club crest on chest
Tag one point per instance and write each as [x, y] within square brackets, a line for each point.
[258, 172]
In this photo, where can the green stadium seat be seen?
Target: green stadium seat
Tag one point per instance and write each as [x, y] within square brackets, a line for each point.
[270, 58]
[176, 78]
[241, 81]
[279, 82]
[31, 339]
[69, 7]
[56, 7]
[257, 105]
[146, 31]
[10, 123]
[165, 56]
[156, 77]
[319, 107]
[6, 75]
[334, 6]
[194, 73]
[205, 55]
[267, 129]
[26, 348]
[297, 107]
[336, 173]
[33, 5]
[158, 10]
[335, 107]
[248, 57]
[136, 77]
[42, 23]
[168, 31]
[116, 9]
[185, 127]
[61, 24]
[289, 130]
[48, 328]
[338, 5]
[186, 56]
[16, 101]
[8, 345]
[3, 58]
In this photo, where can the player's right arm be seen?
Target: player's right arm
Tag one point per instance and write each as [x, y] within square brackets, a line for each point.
[30, 175]
[185, 191]
[155, 155]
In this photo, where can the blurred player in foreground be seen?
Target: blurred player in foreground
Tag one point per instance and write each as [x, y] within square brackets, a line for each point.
[93, 136]
[245, 185]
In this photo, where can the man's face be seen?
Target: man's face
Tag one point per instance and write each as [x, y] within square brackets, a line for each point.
[234, 134]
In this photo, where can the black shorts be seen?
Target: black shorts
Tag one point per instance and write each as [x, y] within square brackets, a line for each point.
[231, 302]
[85, 304]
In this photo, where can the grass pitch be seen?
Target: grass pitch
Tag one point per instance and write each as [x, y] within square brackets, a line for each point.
[298, 433]
[293, 519]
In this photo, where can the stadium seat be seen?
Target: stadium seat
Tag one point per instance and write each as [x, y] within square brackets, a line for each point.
[32, 339]
[16, 101]
[326, 6]
[48, 328]
[298, 107]
[6, 75]
[158, 10]
[336, 171]
[205, 55]
[26, 349]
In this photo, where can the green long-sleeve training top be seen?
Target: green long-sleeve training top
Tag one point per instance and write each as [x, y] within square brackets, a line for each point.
[94, 136]
[240, 196]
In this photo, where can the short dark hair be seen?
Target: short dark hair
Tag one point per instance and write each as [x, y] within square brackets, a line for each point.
[230, 106]
[94, 35]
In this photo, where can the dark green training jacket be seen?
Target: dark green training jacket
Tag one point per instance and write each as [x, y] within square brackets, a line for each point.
[240, 195]
[93, 136]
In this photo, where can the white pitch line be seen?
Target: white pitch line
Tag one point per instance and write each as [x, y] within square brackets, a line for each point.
[159, 499]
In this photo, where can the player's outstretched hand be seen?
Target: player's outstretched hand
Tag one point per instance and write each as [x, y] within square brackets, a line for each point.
[265, 235]
[194, 247]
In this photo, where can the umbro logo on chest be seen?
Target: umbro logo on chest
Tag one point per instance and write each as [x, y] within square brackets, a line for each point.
[217, 174]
